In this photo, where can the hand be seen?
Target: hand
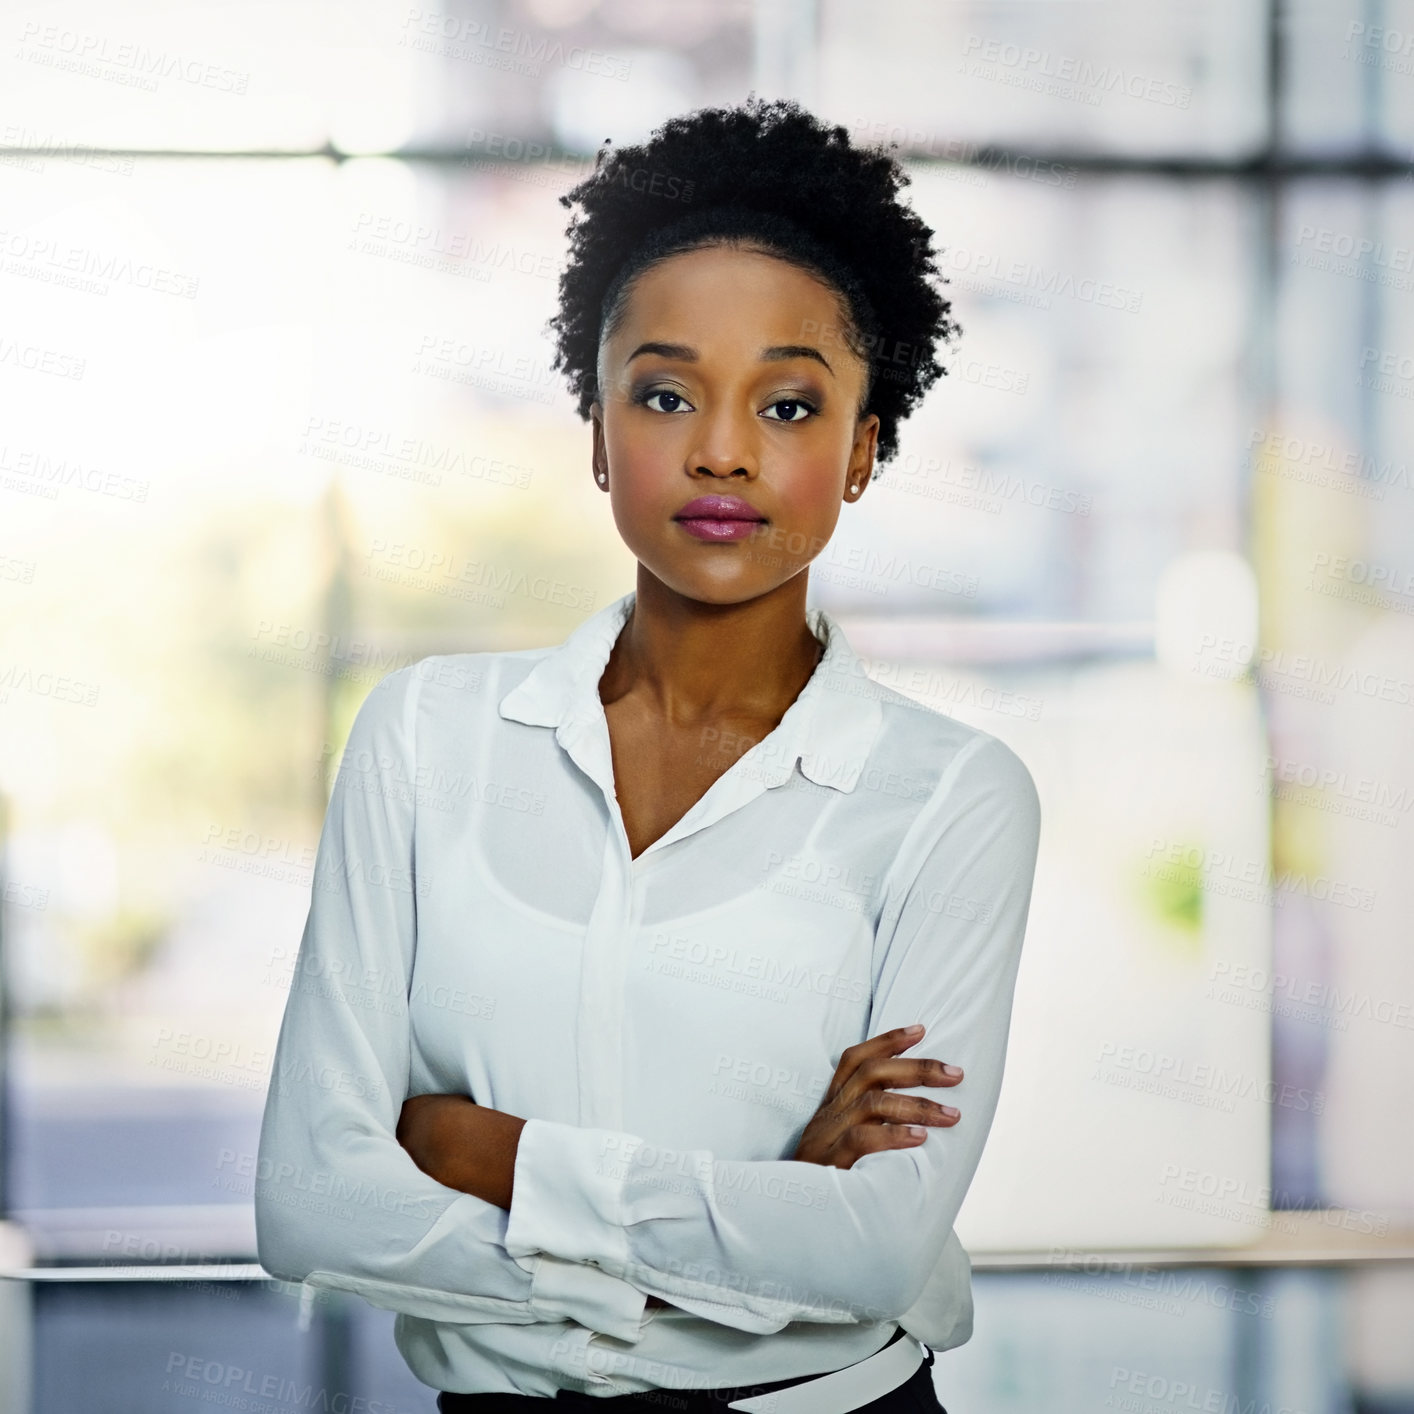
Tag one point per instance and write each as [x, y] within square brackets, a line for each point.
[859, 1116]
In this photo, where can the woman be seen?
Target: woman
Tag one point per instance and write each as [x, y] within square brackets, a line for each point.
[597, 1066]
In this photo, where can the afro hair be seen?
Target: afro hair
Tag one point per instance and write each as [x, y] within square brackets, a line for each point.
[769, 175]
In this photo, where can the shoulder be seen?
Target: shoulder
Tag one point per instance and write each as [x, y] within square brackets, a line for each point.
[981, 818]
[958, 761]
[484, 676]
[443, 689]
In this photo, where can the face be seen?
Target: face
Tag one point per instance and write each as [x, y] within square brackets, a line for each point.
[728, 378]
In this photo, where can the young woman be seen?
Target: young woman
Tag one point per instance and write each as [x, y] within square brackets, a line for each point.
[600, 1061]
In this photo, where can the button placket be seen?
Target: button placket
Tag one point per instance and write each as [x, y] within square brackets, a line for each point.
[601, 991]
[599, 1020]
[603, 977]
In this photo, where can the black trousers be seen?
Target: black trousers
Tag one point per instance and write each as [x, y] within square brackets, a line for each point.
[914, 1396]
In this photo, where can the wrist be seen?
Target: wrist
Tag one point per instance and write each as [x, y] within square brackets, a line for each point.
[494, 1178]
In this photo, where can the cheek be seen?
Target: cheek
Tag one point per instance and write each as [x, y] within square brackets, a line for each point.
[643, 490]
[641, 431]
[815, 461]
[817, 485]
[633, 457]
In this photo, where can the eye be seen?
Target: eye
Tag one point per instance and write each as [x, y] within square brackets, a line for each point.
[795, 404]
[649, 394]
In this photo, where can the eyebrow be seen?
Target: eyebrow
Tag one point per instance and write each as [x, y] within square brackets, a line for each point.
[687, 354]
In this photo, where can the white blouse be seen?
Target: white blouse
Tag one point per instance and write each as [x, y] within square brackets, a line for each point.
[667, 1025]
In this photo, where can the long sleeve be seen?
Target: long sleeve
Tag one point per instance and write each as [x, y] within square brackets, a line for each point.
[338, 1201]
[758, 1244]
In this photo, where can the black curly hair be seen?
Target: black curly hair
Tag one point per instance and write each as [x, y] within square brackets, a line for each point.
[767, 175]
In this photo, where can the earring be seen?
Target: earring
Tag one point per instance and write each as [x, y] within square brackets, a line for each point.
[601, 477]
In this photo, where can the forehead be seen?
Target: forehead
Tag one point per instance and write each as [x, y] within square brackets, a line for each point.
[731, 288]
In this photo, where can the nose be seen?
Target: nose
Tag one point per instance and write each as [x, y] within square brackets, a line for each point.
[725, 447]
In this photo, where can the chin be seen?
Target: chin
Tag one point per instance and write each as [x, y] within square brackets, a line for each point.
[719, 593]
[707, 590]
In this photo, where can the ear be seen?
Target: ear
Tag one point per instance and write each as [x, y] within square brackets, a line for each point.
[861, 459]
[599, 456]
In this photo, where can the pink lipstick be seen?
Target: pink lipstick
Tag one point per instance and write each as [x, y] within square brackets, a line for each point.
[719, 518]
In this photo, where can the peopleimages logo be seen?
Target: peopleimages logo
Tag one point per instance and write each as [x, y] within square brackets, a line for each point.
[764, 968]
[1251, 879]
[1298, 674]
[215, 1382]
[1177, 1077]
[1159, 1390]
[1322, 464]
[1173, 1292]
[1065, 75]
[1334, 792]
[990, 272]
[1307, 998]
[123, 62]
[515, 50]
[93, 271]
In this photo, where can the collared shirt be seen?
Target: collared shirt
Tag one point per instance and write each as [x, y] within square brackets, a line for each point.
[667, 1025]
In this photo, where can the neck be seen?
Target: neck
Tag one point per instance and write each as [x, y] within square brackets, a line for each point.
[691, 662]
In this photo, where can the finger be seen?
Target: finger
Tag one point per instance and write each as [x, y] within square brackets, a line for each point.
[885, 1044]
[886, 1107]
[897, 1073]
[877, 1138]
[920, 1070]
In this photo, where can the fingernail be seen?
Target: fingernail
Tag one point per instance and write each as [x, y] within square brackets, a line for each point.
[913, 1030]
[916, 1131]
[952, 1070]
[949, 1111]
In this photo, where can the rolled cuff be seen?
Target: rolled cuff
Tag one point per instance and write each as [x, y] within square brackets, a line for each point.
[573, 1291]
[567, 1195]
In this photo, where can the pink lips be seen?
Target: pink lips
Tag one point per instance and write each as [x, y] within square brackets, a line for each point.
[719, 518]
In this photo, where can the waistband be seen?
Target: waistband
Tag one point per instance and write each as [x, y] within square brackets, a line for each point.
[832, 1392]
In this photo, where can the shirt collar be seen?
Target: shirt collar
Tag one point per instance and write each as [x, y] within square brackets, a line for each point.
[829, 728]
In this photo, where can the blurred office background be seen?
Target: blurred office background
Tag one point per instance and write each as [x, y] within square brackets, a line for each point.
[278, 418]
